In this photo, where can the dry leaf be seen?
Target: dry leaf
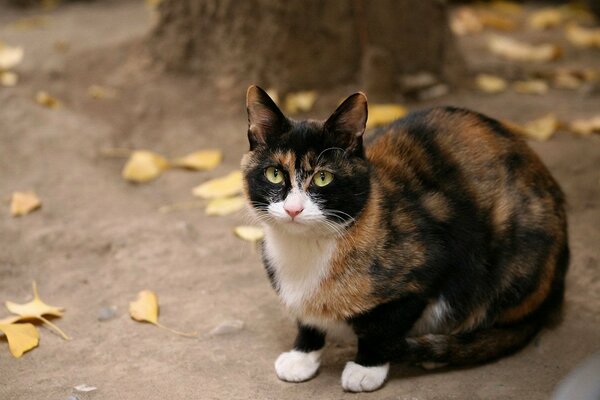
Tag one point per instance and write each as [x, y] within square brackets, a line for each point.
[8, 78]
[381, 114]
[85, 388]
[542, 128]
[21, 337]
[143, 166]
[514, 50]
[101, 92]
[10, 56]
[225, 206]
[44, 99]
[145, 309]
[546, 18]
[506, 7]
[249, 233]
[229, 185]
[585, 127]
[532, 86]
[36, 309]
[496, 21]
[583, 37]
[274, 95]
[490, 83]
[23, 203]
[199, 160]
[153, 3]
[300, 101]
[465, 21]
[565, 79]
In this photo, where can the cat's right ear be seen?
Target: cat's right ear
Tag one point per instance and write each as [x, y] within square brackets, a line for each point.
[264, 117]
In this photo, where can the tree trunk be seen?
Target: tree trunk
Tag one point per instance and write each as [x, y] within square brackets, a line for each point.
[294, 45]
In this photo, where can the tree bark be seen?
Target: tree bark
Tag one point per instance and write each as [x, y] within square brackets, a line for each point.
[294, 45]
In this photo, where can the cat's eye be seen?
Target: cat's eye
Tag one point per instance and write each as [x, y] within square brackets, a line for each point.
[274, 175]
[322, 178]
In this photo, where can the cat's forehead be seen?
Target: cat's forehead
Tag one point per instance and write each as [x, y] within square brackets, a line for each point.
[292, 159]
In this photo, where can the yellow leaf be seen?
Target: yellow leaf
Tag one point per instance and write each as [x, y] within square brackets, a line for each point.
[465, 21]
[225, 206]
[490, 83]
[518, 51]
[44, 99]
[23, 203]
[585, 127]
[144, 166]
[542, 128]
[274, 95]
[199, 160]
[229, 185]
[36, 309]
[101, 92]
[568, 79]
[8, 78]
[506, 7]
[249, 233]
[496, 21]
[382, 114]
[532, 86]
[145, 309]
[546, 18]
[300, 101]
[10, 56]
[21, 337]
[583, 37]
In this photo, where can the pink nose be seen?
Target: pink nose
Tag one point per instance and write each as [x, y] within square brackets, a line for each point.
[294, 210]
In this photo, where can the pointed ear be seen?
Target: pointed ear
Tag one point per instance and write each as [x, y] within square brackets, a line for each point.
[348, 122]
[264, 117]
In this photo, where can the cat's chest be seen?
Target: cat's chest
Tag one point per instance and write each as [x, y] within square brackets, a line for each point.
[299, 265]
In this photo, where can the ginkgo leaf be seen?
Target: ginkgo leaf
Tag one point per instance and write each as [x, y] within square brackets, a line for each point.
[8, 78]
[22, 203]
[532, 86]
[21, 337]
[518, 51]
[249, 233]
[490, 83]
[583, 37]
[145, 309]
[225, 206]
[585, 127]
[199, 160]
[144, 166]
[10, 56]
[506, 7]
[546, 18]
[46, 100]
[496, 21]
[464, 21]
[382, 114]
[300, 101]
[229, 185]
[542, 128]
[36, 309]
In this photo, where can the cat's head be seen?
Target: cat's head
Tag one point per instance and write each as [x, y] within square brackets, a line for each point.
[306, 177]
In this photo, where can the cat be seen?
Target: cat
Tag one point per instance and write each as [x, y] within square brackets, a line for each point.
[440, 239]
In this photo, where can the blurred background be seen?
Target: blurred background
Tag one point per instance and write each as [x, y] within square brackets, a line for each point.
[100, 102]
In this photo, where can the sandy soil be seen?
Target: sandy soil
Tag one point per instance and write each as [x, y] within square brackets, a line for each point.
[98, 240]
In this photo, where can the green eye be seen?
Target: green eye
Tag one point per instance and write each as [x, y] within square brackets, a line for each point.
[274, 175]
[322, 178]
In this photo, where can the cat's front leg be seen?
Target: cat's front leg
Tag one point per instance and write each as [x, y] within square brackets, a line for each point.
[369, 370]
[302, 362]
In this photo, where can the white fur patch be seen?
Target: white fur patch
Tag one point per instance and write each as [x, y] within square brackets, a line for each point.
[340, 330]
[357, 378]
[433, 319]
[297, 366]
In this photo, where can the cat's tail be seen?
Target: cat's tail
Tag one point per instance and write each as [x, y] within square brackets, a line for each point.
[471, 347]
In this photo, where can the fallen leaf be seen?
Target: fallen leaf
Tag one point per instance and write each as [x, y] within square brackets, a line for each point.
[506, 7]
[514, 50]
[274, 95]
[585, 127]
[225, 206]
[36, 309]
[10, 56]
[541, 129]
[532, 86]
[300, 101]
[153, 3]
[381, 114]
[145, 309]
[8, 78]
[85, 388]
[22, 203]
[490, 83]
[546, 18]
[199, 160]
[583, 37]
[21, 337]
[566, 79]
[250, 233]
[101, 92]
[495, 21]
[44, 99]
[226, 186]
[465, 21]
[144, 166]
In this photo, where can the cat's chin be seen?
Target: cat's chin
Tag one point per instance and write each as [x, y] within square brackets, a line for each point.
[302, 229]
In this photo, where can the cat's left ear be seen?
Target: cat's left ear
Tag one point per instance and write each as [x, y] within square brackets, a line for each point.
[348, 122]
[264, 117]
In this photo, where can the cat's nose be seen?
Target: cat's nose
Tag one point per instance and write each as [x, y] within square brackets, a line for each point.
[293, 210]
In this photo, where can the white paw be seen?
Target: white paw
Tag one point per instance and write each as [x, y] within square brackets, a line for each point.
[357, 378]
[429, 365]
[297, 366]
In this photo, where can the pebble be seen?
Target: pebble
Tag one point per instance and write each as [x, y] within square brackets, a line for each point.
[227, 327]
[107, 313]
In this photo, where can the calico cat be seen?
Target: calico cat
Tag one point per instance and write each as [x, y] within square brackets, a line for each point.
[440, 240]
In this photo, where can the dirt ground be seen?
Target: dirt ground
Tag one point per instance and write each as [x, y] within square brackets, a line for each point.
[98, 240]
